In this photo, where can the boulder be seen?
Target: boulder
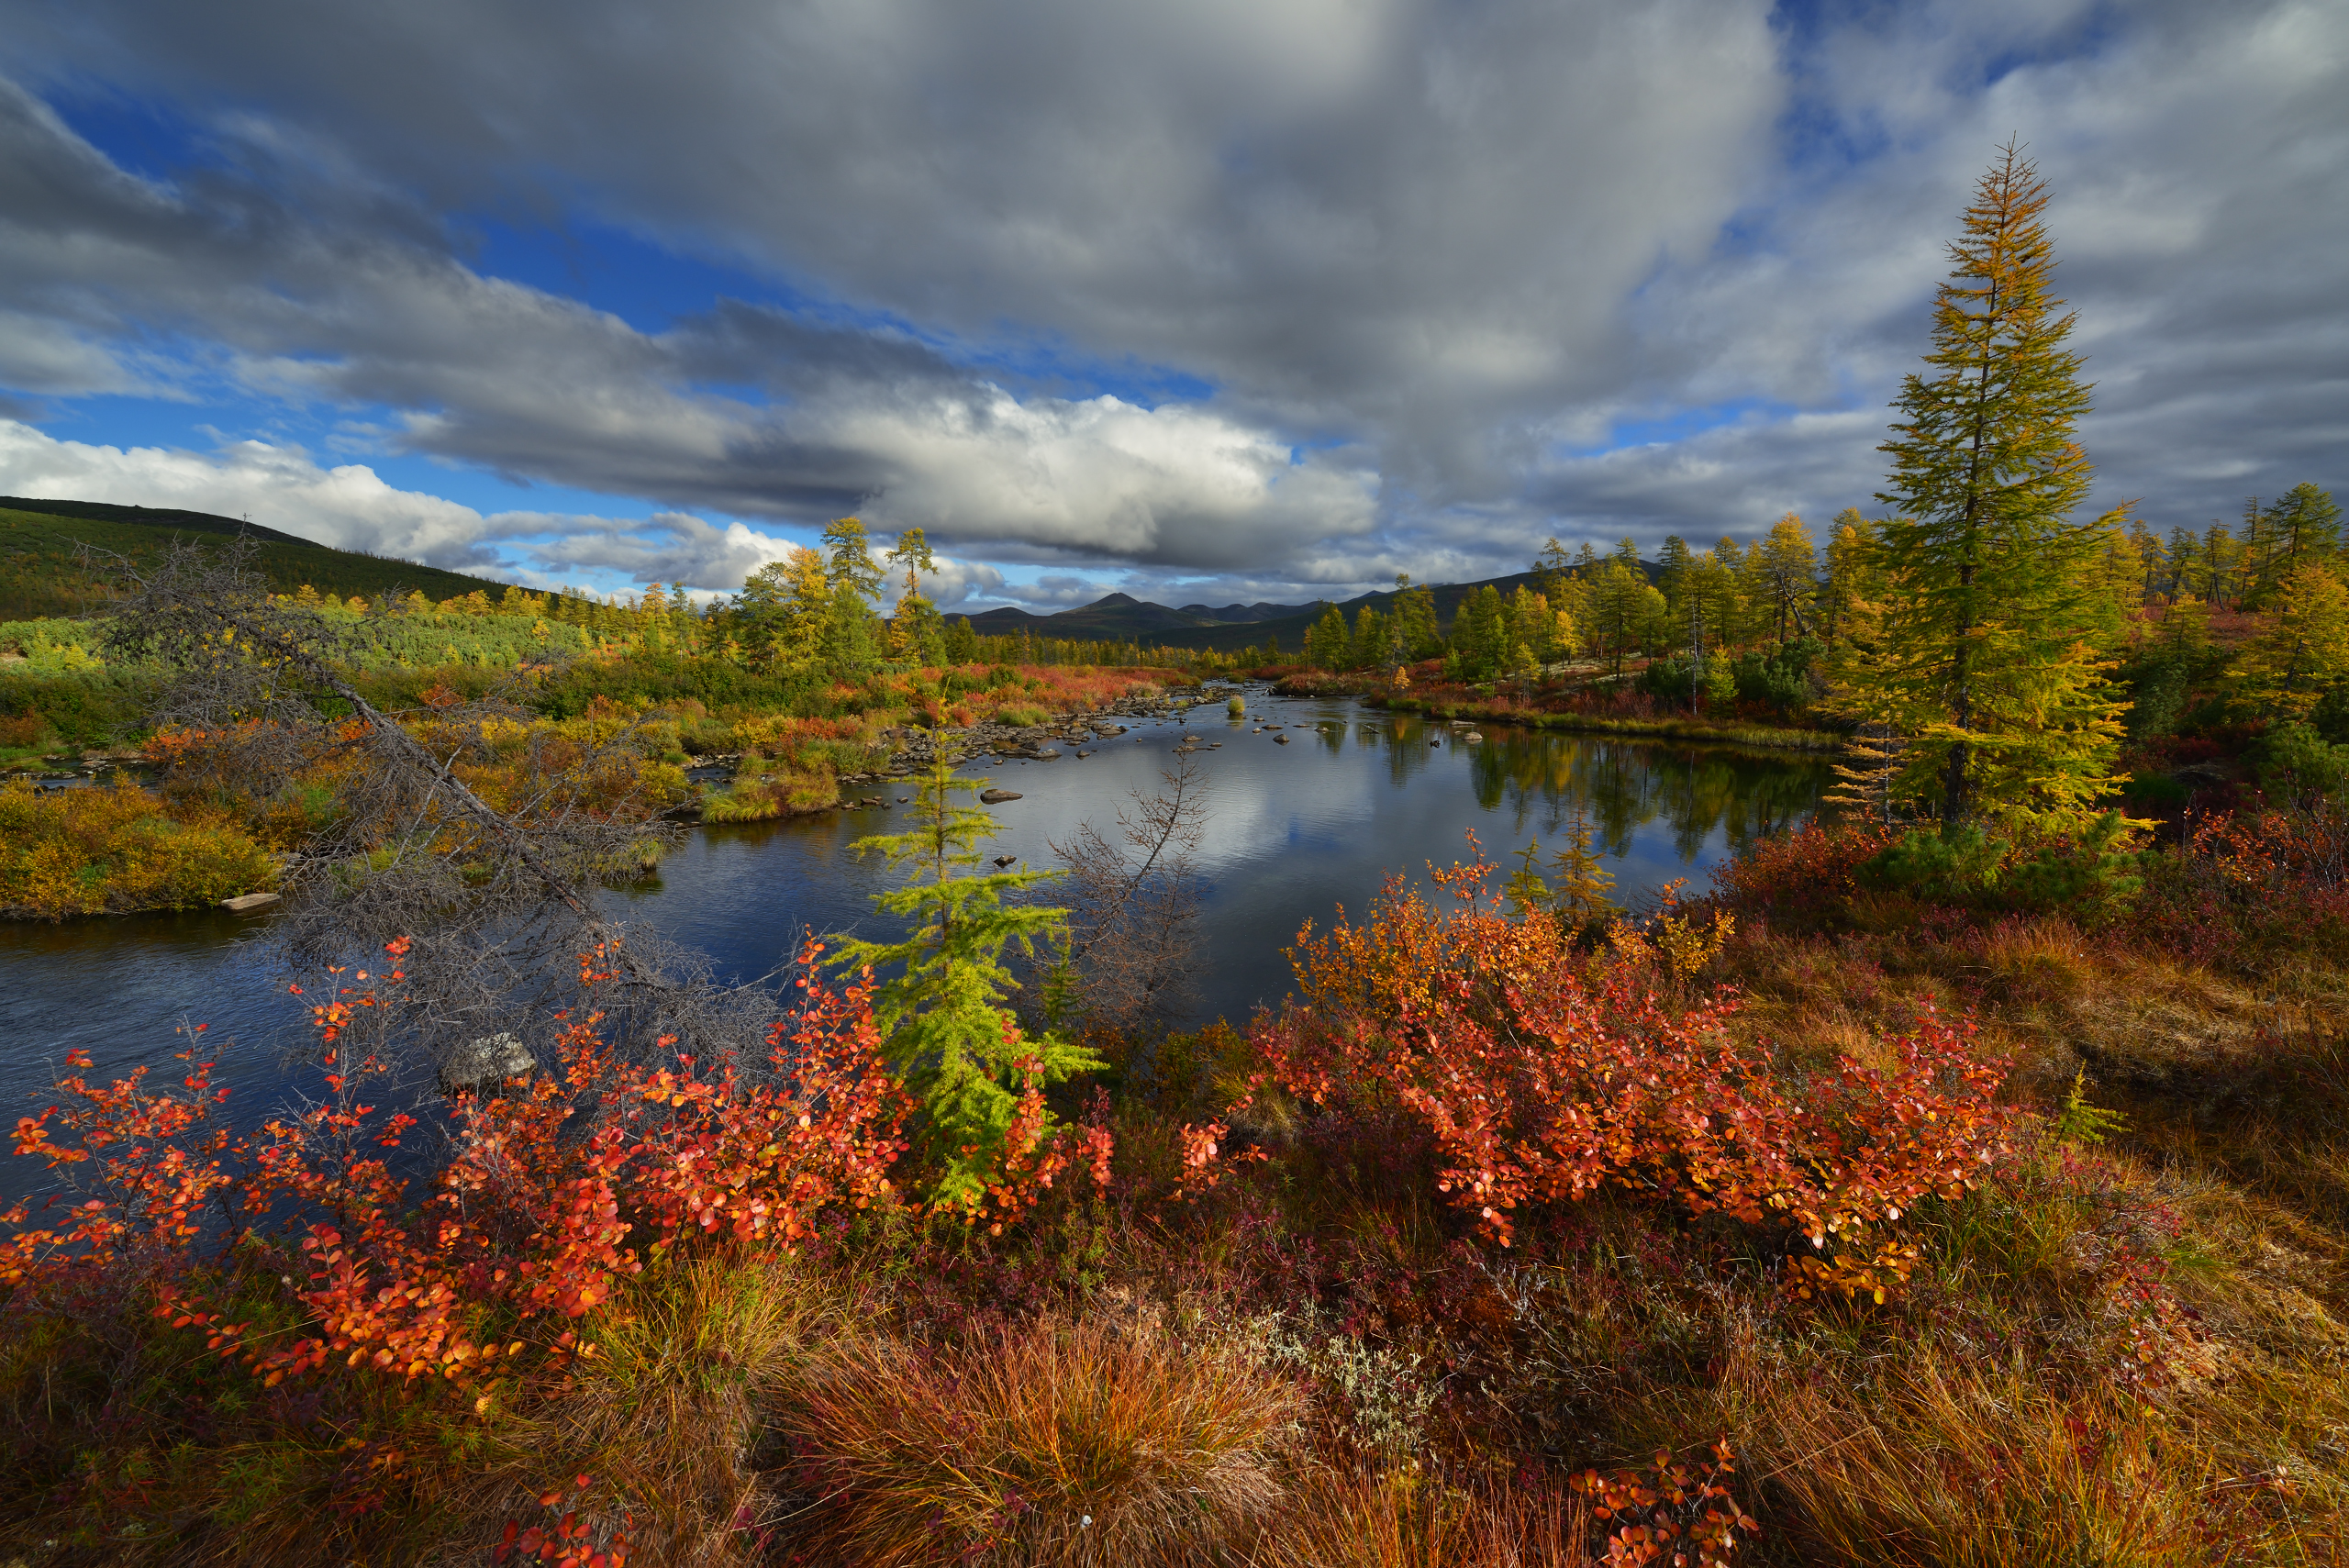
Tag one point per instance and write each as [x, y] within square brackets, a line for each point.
[997, 797]
[487, 1061]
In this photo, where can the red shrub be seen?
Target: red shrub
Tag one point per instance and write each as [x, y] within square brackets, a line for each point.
[528, 1221]
[1809, 874]
[1540, 1077]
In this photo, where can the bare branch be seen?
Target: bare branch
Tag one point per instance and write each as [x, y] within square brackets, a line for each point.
[1134, 910]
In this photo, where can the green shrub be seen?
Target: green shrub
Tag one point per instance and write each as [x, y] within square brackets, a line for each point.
[2093, 875]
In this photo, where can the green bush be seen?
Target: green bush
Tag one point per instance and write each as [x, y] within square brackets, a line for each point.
[2296, 760]
[1781, 679]
[2092, 876]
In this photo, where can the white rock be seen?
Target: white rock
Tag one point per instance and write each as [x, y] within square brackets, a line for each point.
[487, 1061]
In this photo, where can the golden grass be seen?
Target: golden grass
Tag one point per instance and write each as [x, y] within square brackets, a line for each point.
[665, 1418]
[1081, 1444]
[1409, 1518]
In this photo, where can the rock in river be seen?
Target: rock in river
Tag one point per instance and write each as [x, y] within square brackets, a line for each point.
[997, 797]
[490, 1060]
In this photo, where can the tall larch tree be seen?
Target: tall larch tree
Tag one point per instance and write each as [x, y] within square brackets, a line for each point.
[1785, 569]
[1986, 659]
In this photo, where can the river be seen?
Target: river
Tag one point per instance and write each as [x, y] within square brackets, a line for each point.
[1293, 831]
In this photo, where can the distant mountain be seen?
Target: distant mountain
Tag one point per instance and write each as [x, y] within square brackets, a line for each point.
[1121, 618]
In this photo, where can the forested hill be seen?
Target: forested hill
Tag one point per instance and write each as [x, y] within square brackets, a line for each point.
[1120, 617]
[41, 576]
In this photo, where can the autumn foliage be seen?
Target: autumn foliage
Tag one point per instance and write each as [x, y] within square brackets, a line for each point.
[562, 1187]
[1539, 1075]
[90, 852]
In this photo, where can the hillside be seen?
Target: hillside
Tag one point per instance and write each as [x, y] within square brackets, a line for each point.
[41, 576]
[1122, 617]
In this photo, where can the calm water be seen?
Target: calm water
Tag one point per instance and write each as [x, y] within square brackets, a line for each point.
[1293, 831]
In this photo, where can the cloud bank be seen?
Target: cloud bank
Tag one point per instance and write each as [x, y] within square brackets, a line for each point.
[1220, 301]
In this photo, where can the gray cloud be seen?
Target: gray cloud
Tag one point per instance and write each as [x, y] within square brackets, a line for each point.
[1450, 250]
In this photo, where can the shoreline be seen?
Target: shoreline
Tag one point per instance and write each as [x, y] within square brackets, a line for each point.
[1754, 737]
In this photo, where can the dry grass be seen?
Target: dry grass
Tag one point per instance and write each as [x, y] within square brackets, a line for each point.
[1408, 1519]
[1060, 1445]
[665, 1416]
[1963, 1467]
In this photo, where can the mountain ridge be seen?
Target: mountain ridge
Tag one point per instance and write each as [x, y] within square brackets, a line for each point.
[1121, 618]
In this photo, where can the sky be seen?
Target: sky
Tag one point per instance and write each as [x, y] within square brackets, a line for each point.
[1230, 300]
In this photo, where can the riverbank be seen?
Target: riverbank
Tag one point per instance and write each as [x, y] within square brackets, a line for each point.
[1759, 737]
[1575, 699]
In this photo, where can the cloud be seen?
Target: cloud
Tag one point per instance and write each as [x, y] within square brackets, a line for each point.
[1432, 283]
[351, 507]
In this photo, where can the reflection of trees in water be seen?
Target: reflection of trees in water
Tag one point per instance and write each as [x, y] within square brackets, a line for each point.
[1625, 785]
[1407, 751]
[1540, 779]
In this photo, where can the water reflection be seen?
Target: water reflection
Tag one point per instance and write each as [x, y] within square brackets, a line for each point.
[1296, 830]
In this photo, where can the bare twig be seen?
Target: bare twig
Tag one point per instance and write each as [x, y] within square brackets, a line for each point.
[1134, 905]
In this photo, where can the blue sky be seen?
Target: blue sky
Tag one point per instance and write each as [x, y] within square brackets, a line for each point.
[1224, 302]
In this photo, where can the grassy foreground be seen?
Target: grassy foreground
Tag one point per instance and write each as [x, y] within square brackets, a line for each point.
[1918, 1232]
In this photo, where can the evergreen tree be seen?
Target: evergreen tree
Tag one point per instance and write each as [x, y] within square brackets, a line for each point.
[1374, 640]
[1983, 662]
[1619, 610]
[2177, 561]
[2215, 562]
[1674, 558]
[2307, 524]
[1414, 621]
[1326, 642]
[849, 563]
[1852, 574]
[912, 553]
[939, 1003]
[1480, 634]
[961, 641]
[1785, 569]
[2306, 652]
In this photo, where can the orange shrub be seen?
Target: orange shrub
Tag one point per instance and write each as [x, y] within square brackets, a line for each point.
[1539, 1077]
[91, 852]
[536, 1219]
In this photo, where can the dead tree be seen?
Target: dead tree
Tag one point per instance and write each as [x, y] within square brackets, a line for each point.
[499, 900]
[1134, 905]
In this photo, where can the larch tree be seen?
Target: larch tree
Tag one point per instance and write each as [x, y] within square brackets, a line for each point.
[1986, 660]
[1785, 569]
[1852, 574]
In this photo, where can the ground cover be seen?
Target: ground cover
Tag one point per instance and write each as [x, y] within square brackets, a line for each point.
[1968, 1231]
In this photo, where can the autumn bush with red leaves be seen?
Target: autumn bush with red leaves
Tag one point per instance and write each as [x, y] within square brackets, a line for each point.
[561, 1187]
[1539, 1075]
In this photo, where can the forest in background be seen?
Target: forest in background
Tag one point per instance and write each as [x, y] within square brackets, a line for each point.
[1963, 1181]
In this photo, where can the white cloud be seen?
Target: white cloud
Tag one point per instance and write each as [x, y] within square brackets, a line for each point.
[1435, 247]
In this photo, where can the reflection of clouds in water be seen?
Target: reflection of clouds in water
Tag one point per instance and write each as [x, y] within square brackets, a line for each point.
[1293, 830]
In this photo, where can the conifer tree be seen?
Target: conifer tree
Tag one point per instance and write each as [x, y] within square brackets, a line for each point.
[1983, 664]
[2306, 651]
[1851, 575]
[1783, 568]
[1674, 558]
[2307, 524]
[1415, 620]
[940, 1001]
[1326, 640]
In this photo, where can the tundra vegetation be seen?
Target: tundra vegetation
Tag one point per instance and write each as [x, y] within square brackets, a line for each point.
[1962, 1179]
